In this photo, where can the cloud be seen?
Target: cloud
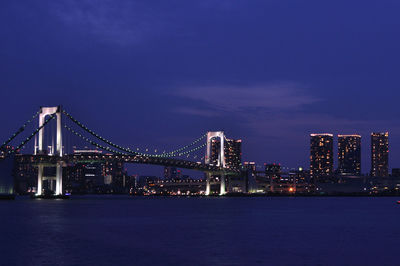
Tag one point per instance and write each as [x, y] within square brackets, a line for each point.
[197, 111]
[225, 99]
[131, 22]
[278, 110]
[121, 22]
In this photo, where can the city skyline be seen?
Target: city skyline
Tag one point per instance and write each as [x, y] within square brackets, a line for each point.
[347, 162]
[347, 149]
[51, 170]
[348, 155]
[150, 87]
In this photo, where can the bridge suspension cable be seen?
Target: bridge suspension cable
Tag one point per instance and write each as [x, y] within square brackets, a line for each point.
[115, 151]
[92, 142]
[118, 152]
[98, 136]
[193, 150]
[187, 146]
[32, 135]
[164, 154]
[20, 130]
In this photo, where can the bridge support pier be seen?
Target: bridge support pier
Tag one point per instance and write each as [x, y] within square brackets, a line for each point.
[222, 190]
[59, 179]
[223, 185]
[208, 185]
[51, 179]
[40, 180]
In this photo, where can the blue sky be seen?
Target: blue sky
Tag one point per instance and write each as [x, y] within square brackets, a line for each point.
[160, 73]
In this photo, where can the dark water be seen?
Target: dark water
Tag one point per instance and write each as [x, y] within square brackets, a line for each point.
[118, 230]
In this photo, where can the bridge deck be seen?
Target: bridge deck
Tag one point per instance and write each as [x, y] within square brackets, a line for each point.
[139, 159]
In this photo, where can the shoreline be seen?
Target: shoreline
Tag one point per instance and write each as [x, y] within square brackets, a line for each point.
[349, 195]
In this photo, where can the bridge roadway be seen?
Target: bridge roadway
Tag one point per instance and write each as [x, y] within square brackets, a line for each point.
[139, 159]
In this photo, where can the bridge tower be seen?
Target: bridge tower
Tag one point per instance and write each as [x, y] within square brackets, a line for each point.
[220, 161]
[46, 111]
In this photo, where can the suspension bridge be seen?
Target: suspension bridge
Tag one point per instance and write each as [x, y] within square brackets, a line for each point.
[57, 157]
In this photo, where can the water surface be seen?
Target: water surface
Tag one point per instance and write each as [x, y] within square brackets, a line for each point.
[122, 230]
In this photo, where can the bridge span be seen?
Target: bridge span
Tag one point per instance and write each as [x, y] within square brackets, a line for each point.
[58, 158]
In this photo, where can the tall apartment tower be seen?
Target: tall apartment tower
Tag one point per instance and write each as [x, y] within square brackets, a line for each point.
[380, 154]
[349, 154]
[321, 156]
[232, 151]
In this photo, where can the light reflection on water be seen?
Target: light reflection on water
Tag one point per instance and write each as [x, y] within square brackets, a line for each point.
[119, 230]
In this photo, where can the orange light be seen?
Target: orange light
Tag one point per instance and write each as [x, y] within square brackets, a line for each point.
[291, 189]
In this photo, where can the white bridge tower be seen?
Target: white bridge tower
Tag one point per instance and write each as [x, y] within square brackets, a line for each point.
[44, 112]
[220, 161]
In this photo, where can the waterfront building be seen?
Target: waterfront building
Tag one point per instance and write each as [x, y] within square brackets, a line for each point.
[251, 182]
[25, 176]
[379, 154]
[174, 187]
[250, 166]
[273, 172]
[349, 155]
[321, 156]
[6, 176]
[299, 175]
[233, 153]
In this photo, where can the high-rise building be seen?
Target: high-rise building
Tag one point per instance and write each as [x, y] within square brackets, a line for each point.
[232, 151]
[250, 166]
[379, 154]
[321, 156]
[349, 154]
[251, 184]
[273, 171]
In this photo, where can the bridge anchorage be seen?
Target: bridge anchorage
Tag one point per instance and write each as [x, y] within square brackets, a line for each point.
[214, 163]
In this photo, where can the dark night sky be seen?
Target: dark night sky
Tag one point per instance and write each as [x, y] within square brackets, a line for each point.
[161, 73]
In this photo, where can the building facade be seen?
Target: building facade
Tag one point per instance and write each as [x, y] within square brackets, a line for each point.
[273, 172]
[251, 182]
[321, 156]
[6, 176]
[349, 155]
[232, 152]
[379, 154]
